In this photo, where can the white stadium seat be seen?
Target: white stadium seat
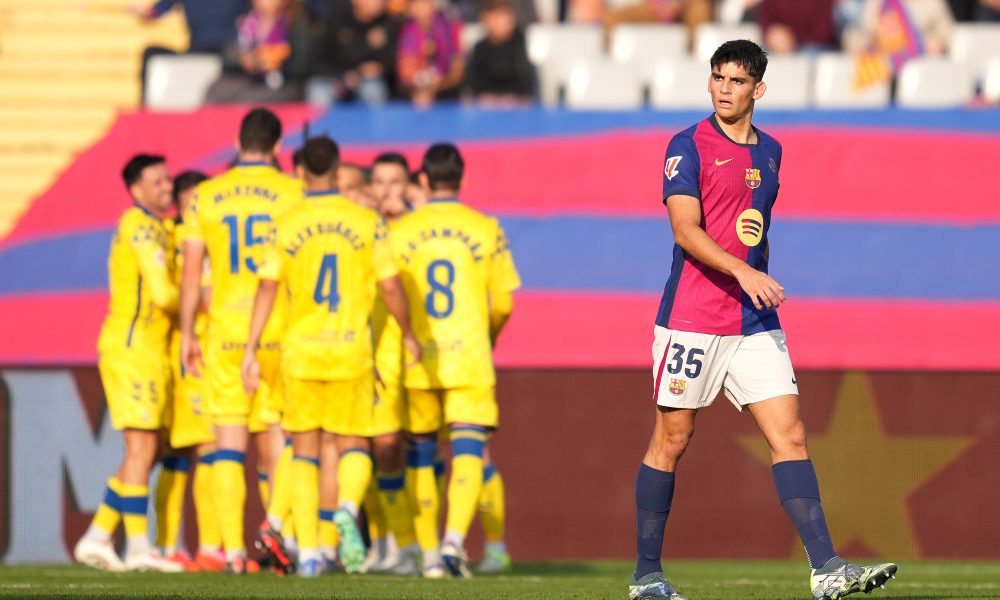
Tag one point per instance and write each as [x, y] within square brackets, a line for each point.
[709, 36]
[180, 82]
[789, 82]
[991, 81]
[554, 49]
[680, 83]
[471, 34]
[974, 44]
[647, 43]
[834, 84]
[934, 83]
[603, 85]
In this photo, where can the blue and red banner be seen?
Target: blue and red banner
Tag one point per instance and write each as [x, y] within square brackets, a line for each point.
[885, 233]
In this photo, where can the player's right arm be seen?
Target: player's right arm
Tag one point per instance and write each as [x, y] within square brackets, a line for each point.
[504, 279]
[269, 274]
[191, 284]
[391, 288]
[685, 218]
[682, 195]
[152, 262]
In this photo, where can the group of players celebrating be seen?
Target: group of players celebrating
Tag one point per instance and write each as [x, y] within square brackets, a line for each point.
[344, 328]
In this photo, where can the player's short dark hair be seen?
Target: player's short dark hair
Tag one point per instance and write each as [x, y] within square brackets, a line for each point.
[443, 166]
[320, 156]
[743, 53]
[297, 158]
[486, 6]
[186, 181]
[260, 131]
[132, 172]
[392, 158]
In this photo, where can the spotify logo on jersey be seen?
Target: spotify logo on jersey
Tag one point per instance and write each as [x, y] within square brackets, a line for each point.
[750, 227]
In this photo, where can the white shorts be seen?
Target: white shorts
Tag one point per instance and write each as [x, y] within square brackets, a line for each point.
[690, 368]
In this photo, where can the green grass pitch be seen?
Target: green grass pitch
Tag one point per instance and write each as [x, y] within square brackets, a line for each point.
[715, 580]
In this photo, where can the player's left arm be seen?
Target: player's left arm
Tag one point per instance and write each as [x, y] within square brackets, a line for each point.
[152, 260]
[190, 292]
[391, 288]
[504, 279]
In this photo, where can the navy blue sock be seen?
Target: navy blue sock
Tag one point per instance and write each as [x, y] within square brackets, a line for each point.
[654, 491]
[798, 491]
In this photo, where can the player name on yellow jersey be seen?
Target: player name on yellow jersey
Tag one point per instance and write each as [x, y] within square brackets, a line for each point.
[328, 255]
[451, 258]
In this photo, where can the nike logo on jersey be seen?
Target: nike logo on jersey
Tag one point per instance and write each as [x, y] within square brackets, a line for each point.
[719, 163]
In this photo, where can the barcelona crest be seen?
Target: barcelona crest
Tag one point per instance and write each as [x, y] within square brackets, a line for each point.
[753, 178]
[677, 386]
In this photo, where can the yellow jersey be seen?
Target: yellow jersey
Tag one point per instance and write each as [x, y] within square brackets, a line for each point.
[141, 284]
[328, 255]
[451, 259]
[233, 214]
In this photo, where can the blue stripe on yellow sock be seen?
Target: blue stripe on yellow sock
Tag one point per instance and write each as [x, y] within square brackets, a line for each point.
[230, 455]
[207, 458]
[424, 454]
[488, 472]
[463, 445]
[134, 505]
[112, 499]
[326, 515]
[177, 463]
[391, 482]
[309, 459]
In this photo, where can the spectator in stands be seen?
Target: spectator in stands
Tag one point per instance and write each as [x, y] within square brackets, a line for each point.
[796, 26]
[988, 10]
[691, 13]
[499, 71]
[731, 12]
[469, 11]
[355, 57]
[210, 24]
[429, 62]
[931, 22]
[268, 59]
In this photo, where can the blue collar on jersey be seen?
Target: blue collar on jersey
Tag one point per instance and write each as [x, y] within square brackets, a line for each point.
[329, 192]
[442, 200]
[145, 210]
[715, 123]
[253, 163]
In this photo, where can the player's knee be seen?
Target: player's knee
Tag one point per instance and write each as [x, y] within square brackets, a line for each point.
[670, 444]
[795, 436]
[389, 454]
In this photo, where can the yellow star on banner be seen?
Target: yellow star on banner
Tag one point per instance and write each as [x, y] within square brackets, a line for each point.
[865, 476]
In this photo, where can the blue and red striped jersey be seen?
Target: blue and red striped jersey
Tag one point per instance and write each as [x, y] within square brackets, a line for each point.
[737, 185]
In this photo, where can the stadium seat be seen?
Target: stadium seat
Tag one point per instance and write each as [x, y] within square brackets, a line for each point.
[991, 81]
[647, 43]
[974, 44]
[554, 49]
[934, 83]
[834, 84]
[180, 82]
[680, 84]
[471, 34]
[603, 85]
[789, 81]
[709, 36]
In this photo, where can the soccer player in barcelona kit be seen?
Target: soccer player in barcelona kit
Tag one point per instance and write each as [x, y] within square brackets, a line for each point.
[459, 278]
[133, 361]
[330, 257]
[230, 219]
[717, 326]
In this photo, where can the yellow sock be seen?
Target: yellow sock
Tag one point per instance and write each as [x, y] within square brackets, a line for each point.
[170, 489]
[467, 445]
[230, 491]
[492, 505]
[396, 507]
[209, 535]
[108, 514]
[378, 528]
[134, 506]
[329, 538]
[354, 475]
[280, 508]
[305, 509]
[263, 488]
[422, 492]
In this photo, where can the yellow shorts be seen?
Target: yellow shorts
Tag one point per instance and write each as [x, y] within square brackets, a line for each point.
[390, 407]
[190, 424]
[428, 410]
[135, 385]
[228, 403]
[345, 407]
